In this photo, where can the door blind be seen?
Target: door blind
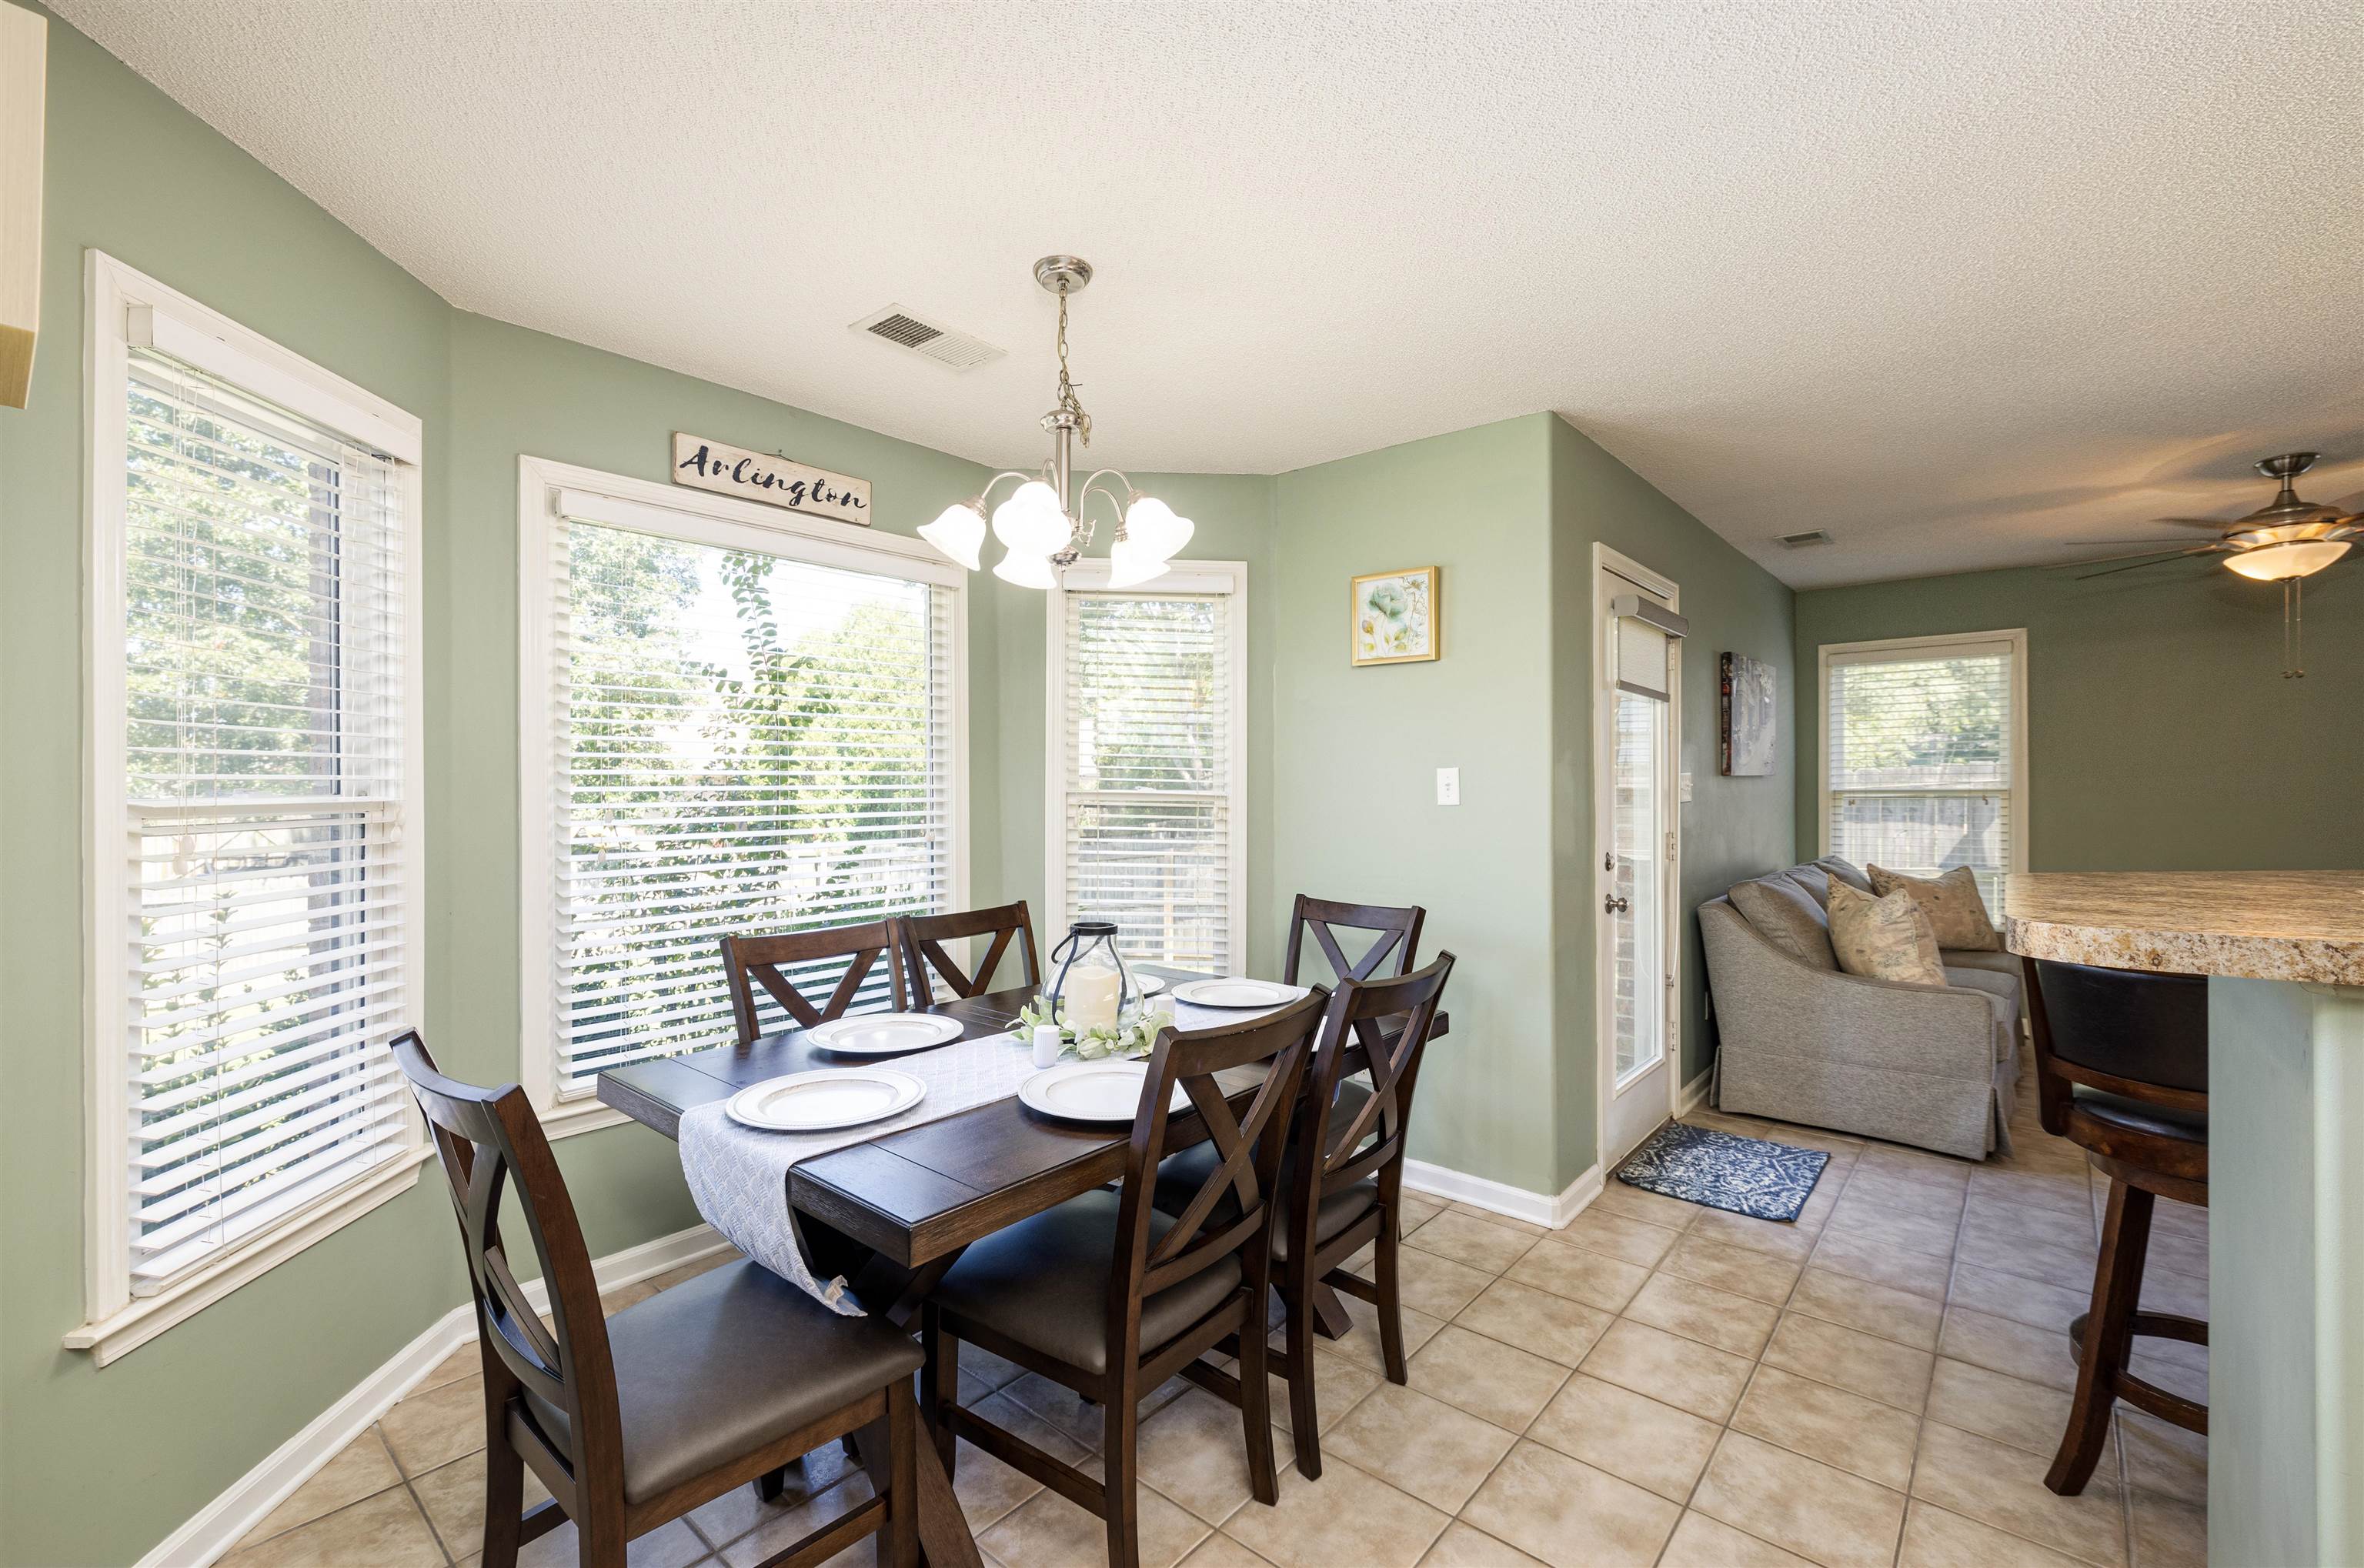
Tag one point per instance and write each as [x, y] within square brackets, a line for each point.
[746, 744]
[1921, 770]
[1147, 770]
[264, 819]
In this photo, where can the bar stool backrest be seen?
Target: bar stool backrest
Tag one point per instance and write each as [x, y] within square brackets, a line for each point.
[2133, 1033]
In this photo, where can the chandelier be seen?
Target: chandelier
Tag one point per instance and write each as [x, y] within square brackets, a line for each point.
[1038, 526]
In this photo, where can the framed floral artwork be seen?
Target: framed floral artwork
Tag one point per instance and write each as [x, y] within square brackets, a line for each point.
[1392, 617]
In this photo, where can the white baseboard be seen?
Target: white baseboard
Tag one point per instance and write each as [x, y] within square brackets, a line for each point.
[220, 1524]
[1501, 1197]
[1694, 1093]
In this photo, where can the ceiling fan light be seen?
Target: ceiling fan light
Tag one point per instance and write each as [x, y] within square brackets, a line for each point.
[2294, 558]
[1025, 570]
[1031, 522]
[1132, 563]
[957, 532]
[1151, 523]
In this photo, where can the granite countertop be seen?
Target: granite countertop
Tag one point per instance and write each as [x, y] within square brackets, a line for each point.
[2267, 925]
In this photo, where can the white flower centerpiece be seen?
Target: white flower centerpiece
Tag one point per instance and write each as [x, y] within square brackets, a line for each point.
[1130, 1037]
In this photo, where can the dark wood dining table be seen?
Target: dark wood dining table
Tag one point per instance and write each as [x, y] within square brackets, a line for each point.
[892, 1213]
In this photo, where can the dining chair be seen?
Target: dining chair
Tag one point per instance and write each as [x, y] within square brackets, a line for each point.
[1357, 1148]
[1109, 1296]
[749, 961]
[2122, 1071]
[1398, 932]
[634, 1420]
[923, 940]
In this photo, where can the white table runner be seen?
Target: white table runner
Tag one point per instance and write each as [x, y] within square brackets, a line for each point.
[739, 1175]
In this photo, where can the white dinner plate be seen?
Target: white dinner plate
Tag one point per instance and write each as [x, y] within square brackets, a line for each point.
[882, 1034]
[1149, 985]
[1092, 1091]
[1235, 992]
[825, 1098]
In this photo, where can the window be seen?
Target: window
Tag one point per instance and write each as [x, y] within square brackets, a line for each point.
[254, 837]
[1148, 793]
[1925, 755]
[734, 725]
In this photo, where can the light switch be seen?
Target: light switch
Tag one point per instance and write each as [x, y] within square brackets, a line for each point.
[1685, 780]
[1448, 786]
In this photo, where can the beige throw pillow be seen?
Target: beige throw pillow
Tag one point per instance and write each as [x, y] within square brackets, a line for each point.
[1956, 911]
[1887, 938]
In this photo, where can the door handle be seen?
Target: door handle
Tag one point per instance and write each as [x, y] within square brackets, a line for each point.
[1614, 906]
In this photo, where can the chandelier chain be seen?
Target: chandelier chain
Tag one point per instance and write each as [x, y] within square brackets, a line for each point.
[1068, 401]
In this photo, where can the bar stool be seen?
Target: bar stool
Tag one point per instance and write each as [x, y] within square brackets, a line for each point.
[2122, 1070]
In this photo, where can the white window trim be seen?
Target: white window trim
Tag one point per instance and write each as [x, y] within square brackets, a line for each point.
[1935, 646]
[1091, 574]
[127, 307]
[703, 518]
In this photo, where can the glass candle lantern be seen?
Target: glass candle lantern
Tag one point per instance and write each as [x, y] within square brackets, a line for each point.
[1093, 987]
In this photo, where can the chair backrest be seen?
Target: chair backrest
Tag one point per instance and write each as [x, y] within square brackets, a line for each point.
[489, 1141]
[1360, 1033]
[749, 961]
[1398, 932]
[1206, 1230]
[924, 935]
[2130, 1032]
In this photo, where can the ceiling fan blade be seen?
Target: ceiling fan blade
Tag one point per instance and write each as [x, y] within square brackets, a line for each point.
[2218, 523]
[2154, 561]
[2168, 553]
[2162, 543]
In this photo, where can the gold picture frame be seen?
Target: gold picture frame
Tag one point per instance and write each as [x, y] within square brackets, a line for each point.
[1395, 617]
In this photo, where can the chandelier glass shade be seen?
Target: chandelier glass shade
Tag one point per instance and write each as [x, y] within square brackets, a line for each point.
[1041, 525]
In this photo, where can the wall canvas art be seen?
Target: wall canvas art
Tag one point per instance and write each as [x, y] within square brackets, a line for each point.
[1747, 686]
[1392, 617]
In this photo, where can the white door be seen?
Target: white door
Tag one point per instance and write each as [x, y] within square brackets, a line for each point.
[1634, 849]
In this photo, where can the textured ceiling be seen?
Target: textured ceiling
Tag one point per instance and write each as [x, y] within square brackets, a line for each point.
[1963, 283]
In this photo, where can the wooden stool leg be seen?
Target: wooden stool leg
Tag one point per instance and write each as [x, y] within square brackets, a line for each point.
[2108, 1337]
[1120, 1459]
[1384, 1274]
[900, 1546]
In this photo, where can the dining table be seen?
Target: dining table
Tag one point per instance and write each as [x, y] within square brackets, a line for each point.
[892, 1214]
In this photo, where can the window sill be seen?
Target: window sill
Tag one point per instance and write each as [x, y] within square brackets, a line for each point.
[582, 1113]
[119, 1333]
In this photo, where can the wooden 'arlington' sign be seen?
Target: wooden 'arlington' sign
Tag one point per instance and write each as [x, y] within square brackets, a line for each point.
[760, 477]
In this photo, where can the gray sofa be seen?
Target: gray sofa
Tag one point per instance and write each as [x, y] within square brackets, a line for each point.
[1804, 1042]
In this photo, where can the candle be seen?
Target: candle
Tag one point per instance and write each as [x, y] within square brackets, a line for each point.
[1090, 997]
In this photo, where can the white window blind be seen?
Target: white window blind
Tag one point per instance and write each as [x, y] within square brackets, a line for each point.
[1148, 772]
[743, 743]
[263, 852]
[1922, 776]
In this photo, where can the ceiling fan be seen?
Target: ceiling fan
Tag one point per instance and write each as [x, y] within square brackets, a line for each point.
[2285, 540]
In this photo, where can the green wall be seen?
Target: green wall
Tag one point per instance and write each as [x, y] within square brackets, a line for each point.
[2161, 734]
[98, 1465]
[1732, 827]
[1355, 754]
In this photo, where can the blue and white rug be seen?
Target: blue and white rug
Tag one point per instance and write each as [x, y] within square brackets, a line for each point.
[1724, 1170]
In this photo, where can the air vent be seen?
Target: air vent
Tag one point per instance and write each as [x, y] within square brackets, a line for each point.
[1806, 541]
[928, 339]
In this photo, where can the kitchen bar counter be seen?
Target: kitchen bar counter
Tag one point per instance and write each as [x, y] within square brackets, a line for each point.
[2264, 925]
[2284, 954]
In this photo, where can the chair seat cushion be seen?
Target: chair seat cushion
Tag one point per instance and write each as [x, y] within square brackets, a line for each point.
[2135, 1116]
[726, 1363]
[1044, 1282]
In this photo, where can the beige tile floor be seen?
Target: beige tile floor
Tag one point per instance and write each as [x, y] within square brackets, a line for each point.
[1880, 1384]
